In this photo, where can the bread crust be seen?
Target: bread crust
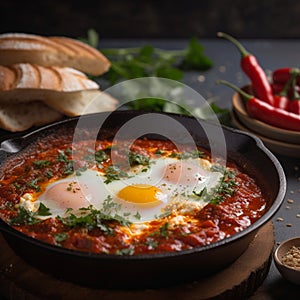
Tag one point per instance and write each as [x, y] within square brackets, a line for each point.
[27, 82]
[51, 51]
[66, 90]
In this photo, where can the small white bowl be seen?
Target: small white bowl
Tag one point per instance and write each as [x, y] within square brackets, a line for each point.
[289, 273]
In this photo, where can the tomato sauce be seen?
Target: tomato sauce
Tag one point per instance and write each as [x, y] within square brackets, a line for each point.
[52, 161]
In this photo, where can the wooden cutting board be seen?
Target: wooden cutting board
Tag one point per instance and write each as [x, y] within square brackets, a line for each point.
[18, 280]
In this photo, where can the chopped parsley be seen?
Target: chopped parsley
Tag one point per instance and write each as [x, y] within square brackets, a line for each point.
[125, 251]
[41, 163]
[113, 172]
[60, 237]
[138, 215]
[225, 187]
[91, 218]
[159, 152]
[27, 217]
[138, 159]
[33, 185]
[163, 231]
[49, 174]
[63, 157]
[151, 243]
[98, 156]
[187, 155]
[80, 170]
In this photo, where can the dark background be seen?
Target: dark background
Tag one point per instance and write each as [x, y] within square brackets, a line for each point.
[153, 19]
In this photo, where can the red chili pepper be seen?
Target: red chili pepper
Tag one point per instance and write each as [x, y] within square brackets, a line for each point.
[284, 74]
[267, 113]
[282, 102]
[249, 64]
[278, 88]
[294, 106]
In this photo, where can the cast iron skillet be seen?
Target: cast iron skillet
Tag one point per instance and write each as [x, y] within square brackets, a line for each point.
[144, 271]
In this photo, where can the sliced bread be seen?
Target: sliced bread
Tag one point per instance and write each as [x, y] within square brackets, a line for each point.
[51, 51]
[22, 116]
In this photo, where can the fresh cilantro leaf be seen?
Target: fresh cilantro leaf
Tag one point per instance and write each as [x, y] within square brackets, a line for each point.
[125, 251]
[195, 58]
[27, 217]
[24, 217]
[62, 157]
[201, 193]
[163, 230]
[147, 104]
[43, 210]
[159, 152]
[113, 172]
[138, 159]
[225, 187]
[60, 237]
[137, 215]
[33, 185]
[93, 218]
[151, 243]
[42, 163]
[128, 63]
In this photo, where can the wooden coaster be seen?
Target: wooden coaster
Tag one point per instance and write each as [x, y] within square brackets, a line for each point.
[18, 280]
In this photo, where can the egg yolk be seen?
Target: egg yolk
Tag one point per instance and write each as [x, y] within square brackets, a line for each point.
[142, 194]
[67, 195]
[184, 173]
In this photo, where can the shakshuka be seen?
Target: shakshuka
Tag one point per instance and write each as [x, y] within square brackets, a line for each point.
[108, 197]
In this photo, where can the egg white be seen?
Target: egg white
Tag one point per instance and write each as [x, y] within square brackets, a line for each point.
[176, 196]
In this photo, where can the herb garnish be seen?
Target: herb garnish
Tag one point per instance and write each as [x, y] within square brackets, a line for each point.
[33, 185]
[125, 251]
[113, 172]
[225, 187]
[60, 237]
[99, 156]
[187, 155]
[27, 217]
[137, 215]
[63, 157]
[138, 159]
[93, 218]
[42, 163]
[159, 152]
[151, 243]
[163, 231]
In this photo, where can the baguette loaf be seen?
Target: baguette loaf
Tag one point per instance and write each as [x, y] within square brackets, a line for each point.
[97, 102]
[28, 82]
[51, 51]
[21, 116]
[66, 90]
